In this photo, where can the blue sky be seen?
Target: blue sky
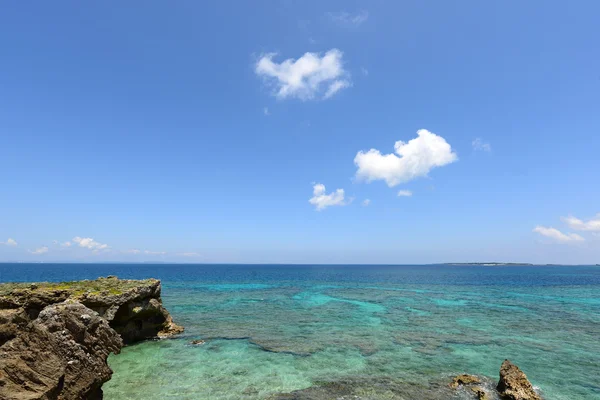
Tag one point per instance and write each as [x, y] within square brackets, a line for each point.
[267, 131]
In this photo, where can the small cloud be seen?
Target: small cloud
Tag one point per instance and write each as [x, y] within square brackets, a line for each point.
[364, 71]
[188, 254]
[66, 244]
[412, 160]
[132, 251]
[366, 202]
[266, 111]
[480, 145]
[405, 193]
[155, 253]
[311, 76]
[348, 19]
[89, 243]
[39, 250]
[10, 242]
[592, 225]
[321, 200]
[557, 235]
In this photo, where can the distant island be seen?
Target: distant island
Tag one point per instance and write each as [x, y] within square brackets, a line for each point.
[492, 264]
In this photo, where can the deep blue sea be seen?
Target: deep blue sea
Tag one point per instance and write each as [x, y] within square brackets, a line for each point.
[278, 328]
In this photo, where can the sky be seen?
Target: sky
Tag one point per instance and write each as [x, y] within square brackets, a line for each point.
[300, 132]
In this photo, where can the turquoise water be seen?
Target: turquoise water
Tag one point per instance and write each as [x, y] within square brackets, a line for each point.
[271, 329]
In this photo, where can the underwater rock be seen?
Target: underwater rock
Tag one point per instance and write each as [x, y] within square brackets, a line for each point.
[514, 385]
[480, 393]
[60, 355]
[368, 389]
[198, 342]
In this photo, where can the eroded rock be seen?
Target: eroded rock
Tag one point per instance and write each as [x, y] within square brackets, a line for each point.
[514, 385]
[60, 355]
[464, 379]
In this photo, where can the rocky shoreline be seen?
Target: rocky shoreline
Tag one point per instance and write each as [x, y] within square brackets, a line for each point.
[55, 338]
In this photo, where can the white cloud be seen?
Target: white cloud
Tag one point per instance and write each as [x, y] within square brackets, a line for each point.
[404, 193]
[336, 87]
[413, 160]
[66, 244]
[310, 76]
[593, 225]
[345, 18]
[321, 200]
[39, 250]
[10, 242]
[266, 111]
[132, 251]
[155, 253]
[189, 254]
[366, 202]
[480, 145]
[364, 71]
[558, 235]
[89, 243]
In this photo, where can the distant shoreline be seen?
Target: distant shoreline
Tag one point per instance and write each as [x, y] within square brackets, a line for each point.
[481, 264]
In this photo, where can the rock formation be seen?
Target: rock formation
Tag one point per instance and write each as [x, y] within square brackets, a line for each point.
[60, 355]
[55, 338]
[514, 385]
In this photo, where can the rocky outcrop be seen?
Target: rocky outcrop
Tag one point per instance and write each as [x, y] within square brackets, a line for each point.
[133, 308]
[60, 355]
[514, 385]
[55, 338]
[464, 379]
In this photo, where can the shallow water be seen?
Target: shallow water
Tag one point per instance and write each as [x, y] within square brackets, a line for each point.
[271, 329]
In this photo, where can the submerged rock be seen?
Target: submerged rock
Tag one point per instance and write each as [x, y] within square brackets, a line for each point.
[480, 393]
[60, 355]
[368, 389]
[55, 338]
[514, 385]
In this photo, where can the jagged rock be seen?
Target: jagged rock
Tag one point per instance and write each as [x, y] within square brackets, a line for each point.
[55, 337]
[133, 308]
[198, 342]
[60, 355]
[464, 379]
[514, 385]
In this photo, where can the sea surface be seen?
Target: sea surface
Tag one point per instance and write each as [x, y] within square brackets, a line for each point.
[279, 328]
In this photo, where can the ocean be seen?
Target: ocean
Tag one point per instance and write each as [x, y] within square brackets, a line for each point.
[279, 328]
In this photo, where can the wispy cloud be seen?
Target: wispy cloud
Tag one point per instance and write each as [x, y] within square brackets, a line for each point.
[266, 111]
[366, 202]
[311, 76]
[39, 250]
[557, 235]
[189, 254]
[348, 19]
[10, 242]
[405, 193]
[155, 253]
[479, 145]
[412, 160]
[592, 225]
[89, 243]
[321, 200]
